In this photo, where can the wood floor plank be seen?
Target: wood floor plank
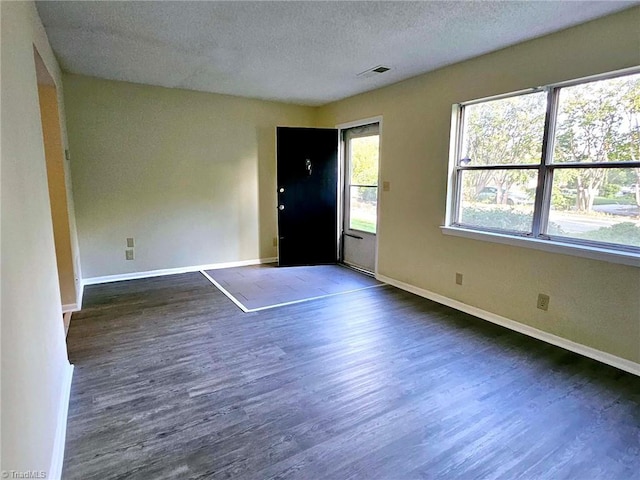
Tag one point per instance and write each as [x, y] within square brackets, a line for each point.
[173, 381]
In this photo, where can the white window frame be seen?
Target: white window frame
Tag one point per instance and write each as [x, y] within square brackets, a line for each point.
[536, 239]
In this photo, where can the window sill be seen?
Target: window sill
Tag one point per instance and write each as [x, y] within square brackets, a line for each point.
[594, 253]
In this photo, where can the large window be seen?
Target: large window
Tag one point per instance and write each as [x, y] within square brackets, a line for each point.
[560, 163]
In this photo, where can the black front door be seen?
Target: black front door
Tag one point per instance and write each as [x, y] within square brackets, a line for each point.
[307, 196]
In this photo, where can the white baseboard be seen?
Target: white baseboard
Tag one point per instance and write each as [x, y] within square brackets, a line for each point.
[57, 456]
[604, 357]
[70, 307]
[174, 271]
[80, 296]
[75, 307]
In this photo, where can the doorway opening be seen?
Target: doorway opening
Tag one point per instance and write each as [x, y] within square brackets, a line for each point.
[361, 157]
[57, 183]
[328, 208]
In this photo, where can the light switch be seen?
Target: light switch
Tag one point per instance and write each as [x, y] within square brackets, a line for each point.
[130, 243]
[386, 186]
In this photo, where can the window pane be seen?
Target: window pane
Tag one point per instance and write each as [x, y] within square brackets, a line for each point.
[363, 209]
[599, 121]
[504, 132]
[500, 199]
[364, 160]
[596, 204]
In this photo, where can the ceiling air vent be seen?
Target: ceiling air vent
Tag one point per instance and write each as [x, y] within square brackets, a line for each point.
[373, 71]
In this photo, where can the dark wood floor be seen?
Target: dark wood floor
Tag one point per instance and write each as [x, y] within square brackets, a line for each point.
[172, 380]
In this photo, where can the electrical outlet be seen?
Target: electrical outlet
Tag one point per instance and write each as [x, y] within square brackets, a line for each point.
[543, 302]
[128, 254]
[275, 241]
[458, 279]
[130, 243]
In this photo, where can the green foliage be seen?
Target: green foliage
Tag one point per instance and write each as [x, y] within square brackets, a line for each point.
[503, 219]
[609, 190]
[364, 160]
[562, 201]
[497, 218]
[506, 131]
[626, 233]
[622, 177]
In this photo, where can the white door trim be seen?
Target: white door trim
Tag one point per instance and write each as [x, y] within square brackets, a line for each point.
[341, 177]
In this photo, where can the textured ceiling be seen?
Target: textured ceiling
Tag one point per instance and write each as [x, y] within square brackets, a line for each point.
[298, 52]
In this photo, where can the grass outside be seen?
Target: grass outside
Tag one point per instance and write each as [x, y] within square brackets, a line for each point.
[624, 200]
[363, 225]
[625, 233]
[598, 227]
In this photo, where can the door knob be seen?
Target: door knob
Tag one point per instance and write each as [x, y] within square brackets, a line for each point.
[281, 189]
[280, 207]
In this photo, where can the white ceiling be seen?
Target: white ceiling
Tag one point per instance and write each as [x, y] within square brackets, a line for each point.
[299, 52]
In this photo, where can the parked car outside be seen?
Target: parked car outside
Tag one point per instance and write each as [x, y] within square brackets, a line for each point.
[490, 195]
[630, 189]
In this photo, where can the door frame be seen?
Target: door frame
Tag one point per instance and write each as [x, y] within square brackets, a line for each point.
[60, 196]
[342, 178]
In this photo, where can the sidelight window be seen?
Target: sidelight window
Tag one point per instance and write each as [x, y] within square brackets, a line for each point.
[362, 150]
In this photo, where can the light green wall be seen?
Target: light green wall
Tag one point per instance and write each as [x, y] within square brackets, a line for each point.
[34, 358]
[592, 302]
[189, 175]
